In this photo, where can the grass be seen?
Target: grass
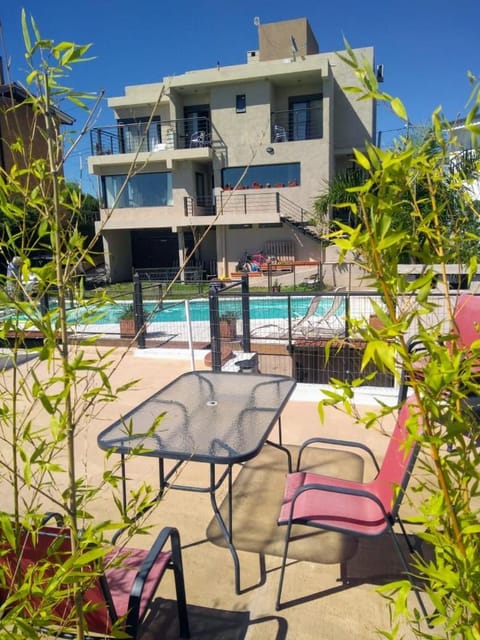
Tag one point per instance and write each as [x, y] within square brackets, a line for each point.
[154, 291]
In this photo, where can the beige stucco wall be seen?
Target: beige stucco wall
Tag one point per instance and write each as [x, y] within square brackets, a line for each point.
[231, 246]
[275, 39]
[354, 118]
[242, 133]
[118, 255]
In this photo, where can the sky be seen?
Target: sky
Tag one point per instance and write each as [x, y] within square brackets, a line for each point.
[427, 47]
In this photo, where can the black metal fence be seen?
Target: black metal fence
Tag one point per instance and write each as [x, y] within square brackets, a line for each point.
[312, 336]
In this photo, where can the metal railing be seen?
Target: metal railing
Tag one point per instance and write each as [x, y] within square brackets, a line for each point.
[248, 201]
[184, 133]
[298, 124]
[167, 274]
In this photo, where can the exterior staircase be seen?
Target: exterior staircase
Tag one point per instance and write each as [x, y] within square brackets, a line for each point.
[300, 219]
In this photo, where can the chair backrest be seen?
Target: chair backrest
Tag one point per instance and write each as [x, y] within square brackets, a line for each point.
[398, 462]
[467, 319]
[42, 559]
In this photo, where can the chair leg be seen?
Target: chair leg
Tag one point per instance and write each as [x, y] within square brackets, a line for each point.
[403, 387]
[405, 535]
[177, 566]
[407, 569]
[284, 562]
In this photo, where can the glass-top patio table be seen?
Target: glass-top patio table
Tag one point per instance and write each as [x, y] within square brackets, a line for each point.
[216, 418]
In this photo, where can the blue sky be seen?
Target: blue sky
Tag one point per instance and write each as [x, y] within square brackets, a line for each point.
[426, 46]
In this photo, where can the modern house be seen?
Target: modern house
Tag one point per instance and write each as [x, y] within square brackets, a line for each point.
[465, 148]
[19, 123]
[229, 159]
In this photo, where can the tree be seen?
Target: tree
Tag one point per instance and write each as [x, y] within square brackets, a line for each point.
[45, 404]
[456, 172]
[411, 181]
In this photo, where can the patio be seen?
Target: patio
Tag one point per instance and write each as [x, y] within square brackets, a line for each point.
[320, 606]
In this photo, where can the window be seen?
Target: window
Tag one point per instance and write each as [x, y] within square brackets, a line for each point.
[137, 135]
[305, 117]
[262, 176]
[241, 103]
[142, 190]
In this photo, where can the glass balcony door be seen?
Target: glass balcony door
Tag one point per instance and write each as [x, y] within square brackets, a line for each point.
[305, 117]
[197, 121]
[137, 135]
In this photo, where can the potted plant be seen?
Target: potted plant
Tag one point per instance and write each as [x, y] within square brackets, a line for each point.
[228, 325]
[127, 322]
[276, 287]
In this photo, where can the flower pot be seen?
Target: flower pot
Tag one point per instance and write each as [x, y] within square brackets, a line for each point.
[228, 329]
[127, 327]
[375, 322]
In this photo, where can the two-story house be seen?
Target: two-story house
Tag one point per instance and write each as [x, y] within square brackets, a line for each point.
[228, 159]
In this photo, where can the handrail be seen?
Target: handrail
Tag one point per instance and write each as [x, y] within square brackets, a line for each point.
[157, 135]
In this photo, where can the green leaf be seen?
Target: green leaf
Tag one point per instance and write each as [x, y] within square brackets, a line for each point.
[25, 31]
[362, 160]
[399, 109]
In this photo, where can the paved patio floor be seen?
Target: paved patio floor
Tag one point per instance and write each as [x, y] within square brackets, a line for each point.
[318, 605]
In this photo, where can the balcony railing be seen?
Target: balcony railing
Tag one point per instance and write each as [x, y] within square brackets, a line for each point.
[186, 133]
[298, 124]
[248, 203]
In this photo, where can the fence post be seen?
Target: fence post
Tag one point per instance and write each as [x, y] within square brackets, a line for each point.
[215, 329]
[245, 314]
[138, 311]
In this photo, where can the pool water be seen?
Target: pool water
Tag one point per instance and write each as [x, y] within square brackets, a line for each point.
[260, 308]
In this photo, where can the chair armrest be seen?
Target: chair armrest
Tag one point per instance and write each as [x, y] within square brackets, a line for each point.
[339, 443]
[55, 516]
[142, 574]
[415, 344]
[350, 491]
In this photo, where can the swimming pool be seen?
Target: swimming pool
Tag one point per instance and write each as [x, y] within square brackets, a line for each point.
[265, 308]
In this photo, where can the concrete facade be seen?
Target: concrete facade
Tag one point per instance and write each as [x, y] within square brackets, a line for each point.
[274, 131]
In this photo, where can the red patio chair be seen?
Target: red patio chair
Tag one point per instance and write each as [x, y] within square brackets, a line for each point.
[119, 595]
[356, 508]
[467, 329]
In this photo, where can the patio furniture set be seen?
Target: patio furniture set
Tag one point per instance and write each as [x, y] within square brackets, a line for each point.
[221, 420]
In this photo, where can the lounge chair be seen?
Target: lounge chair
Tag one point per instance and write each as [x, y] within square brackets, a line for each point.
[330, 325]
[311, 281]
[310, 325]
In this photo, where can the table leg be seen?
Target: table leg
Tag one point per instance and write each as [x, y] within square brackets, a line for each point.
[124, 483]
[227, 531]
[161, 474]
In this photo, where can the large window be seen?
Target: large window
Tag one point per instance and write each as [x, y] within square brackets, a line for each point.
[305, 117]
[142, 190]
[262, 176]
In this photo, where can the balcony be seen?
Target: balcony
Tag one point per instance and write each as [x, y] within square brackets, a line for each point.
[297, 124]
[142, 136]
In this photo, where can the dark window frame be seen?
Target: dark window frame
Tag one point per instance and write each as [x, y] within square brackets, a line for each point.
[241, 103]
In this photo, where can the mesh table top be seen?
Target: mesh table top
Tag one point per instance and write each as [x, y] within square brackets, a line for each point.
[204, 417]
